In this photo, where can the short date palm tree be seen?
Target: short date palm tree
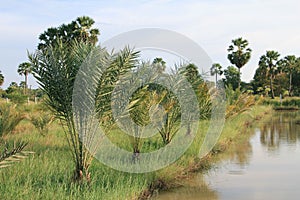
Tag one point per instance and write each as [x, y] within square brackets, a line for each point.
[55, 69]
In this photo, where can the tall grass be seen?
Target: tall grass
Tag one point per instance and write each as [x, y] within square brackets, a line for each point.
[47, 174]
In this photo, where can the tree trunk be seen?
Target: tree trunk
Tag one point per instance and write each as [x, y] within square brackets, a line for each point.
[82, 176]
[271, 87]
[239, 86]
[25, 86]
[290, 88]
[216, 79]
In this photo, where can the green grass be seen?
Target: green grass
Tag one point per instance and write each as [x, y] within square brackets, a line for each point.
[47, 174]
[286, 102]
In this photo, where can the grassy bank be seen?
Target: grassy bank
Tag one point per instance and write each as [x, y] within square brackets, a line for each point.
[288, 103]
[47, 173]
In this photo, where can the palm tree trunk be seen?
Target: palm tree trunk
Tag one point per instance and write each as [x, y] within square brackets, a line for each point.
[25, 86]
[239, 86]
[290, 88]
[271, 87]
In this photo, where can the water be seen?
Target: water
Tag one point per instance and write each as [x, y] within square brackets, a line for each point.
[265, 167]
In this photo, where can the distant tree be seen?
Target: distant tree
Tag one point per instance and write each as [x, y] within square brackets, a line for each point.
[216, 69]
[160, 64]
[260, 80]
[192, 74]
[25, 69]
[1, 78]
[232, 77]
[290, 65]
[296, 83]
[80, 30]
[22, 84]
[281, 83]
[239, 54]
[13, 86]
[269, 61]
[14, 93]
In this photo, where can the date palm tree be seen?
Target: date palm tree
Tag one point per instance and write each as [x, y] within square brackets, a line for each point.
[55, 70]
[25, 69]
[269, 61]
[239, 54]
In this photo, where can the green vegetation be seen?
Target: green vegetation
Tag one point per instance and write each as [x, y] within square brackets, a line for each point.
[46, 174]
[63, 167]
[288, 103]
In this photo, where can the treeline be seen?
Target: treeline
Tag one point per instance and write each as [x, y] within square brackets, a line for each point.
[20, 93]
[275, 75]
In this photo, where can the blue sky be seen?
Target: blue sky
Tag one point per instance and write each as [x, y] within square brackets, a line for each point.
[266, 24]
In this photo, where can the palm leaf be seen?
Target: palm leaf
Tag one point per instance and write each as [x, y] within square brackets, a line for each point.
[12, 154]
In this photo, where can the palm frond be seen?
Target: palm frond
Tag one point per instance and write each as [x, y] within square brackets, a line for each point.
[12, 154]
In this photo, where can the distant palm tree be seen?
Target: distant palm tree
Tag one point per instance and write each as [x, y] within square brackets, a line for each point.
[216, 69]
[25, 69]
[269, 61]
[241, 55]
[86, 32]
[1, 78]
[289, 65]
[160, 64]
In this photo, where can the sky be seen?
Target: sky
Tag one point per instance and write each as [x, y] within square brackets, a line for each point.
[266, 24]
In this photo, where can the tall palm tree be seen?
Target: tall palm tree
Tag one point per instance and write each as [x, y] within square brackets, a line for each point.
[289, 64]
[25, 69]
[269, 61]
[85, 30]
[240, 55]
[1, 78]
[80, 30]
[216, 69]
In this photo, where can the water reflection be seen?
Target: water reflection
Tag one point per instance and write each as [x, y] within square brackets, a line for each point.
[247, 171]
[192, 190]
[236, 159]
[282, 128]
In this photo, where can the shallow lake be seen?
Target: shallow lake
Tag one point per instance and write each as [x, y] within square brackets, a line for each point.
[265, 167]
